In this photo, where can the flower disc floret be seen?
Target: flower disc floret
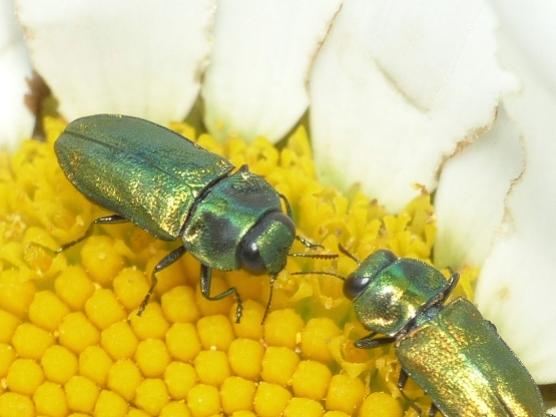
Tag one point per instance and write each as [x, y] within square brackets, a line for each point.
[74, 287]
[81, 394]
[124, 377]
[215, 332]
[95, 363]
[245, 356]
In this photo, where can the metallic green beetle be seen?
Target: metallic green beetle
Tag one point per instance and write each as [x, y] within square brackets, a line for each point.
[450, 350]
[173, 188]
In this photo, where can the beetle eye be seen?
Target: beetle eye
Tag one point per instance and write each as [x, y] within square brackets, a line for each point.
[355, 285]
[250, 257]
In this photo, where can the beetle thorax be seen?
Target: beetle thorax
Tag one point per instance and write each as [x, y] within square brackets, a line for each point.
[396, 295]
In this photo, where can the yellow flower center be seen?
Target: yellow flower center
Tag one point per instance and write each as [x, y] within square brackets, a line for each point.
[71, 342]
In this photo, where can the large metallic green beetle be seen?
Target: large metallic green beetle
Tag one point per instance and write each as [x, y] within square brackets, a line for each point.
[450, 350]
[173, 188]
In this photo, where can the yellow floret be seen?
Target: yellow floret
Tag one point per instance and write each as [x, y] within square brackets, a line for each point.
[15, 294]
[7, 356]
[47, 310]
[250, 325]
[50, 400]
[31, 341]
[135, 412]
[175, 409]
[244, 413]
[81, 394]
[130, 286]
[103, 309]
[151, 396]
[211, 307]
[179, 378]
[215, 332]
[78, 415]
[282, 328]
[16, 405]
[316, 337]
[8, 324]
[59, 364]
[119, 340]
[152, 357]
[212, 367]
[94, 363]
[311, 379]
[179, 306]
[245, 357]
[74, 287]
[110, 404]
[237, 394]
[279, 364]
[24, 376]
[336, 414]
[183, 342]
[100, 259]
[151, 324]
[124, 377]
[203, 400]
[270, 400]
[380, 404]
[77, 332]
[345, 393]
[303, 407]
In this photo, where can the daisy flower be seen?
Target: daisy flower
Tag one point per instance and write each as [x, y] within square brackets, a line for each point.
[424, 129]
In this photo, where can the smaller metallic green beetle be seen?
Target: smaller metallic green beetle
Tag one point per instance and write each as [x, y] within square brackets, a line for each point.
[173, 188]
[450, 350]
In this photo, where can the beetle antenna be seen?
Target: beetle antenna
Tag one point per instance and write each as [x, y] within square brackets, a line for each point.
[343, 249]
[52, 252]
[313, 255]
[307, 243]
[332, 274]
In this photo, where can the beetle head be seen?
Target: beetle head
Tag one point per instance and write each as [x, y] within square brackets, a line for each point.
[264, 249]
[357, 282]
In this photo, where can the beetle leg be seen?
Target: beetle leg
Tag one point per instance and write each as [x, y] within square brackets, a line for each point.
[111, 219]
[288, 206]
[369, 342]
[164, 262]
[304, 241]
[454, 278]
[269, 302]
[206, 278]
[402, 380]
[342, 249]
[432, 410]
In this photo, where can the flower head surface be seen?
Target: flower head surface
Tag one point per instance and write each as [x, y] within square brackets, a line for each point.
[456, 97]
[71, 341]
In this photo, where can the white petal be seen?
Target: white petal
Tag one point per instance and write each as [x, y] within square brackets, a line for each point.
[256, 82]
[471, 195]
[537, 45]
[517, 283]
[16, 119]
[397, 85]
[102, 56]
